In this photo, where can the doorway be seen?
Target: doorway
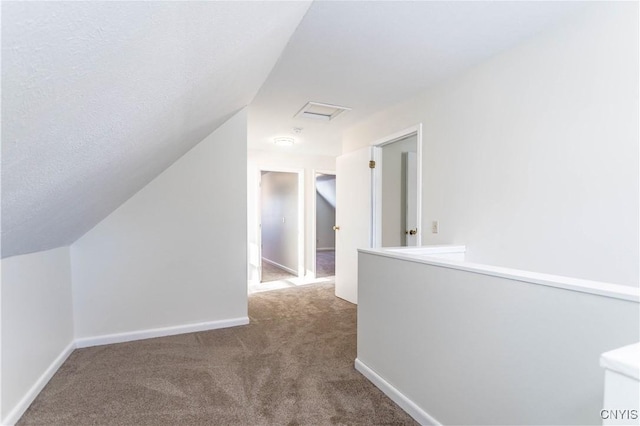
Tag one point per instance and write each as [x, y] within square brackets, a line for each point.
[359, 201]
[398, 214]
[281, 225]
[397, 189]
[325, 220]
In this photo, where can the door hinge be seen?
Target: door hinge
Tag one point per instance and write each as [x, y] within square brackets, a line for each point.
[372, 164]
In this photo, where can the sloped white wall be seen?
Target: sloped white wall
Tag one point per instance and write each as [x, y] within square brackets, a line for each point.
[531, 158]
[124, 91]
[175, 253]
[279, 209]
[37, 323]
[326, 187]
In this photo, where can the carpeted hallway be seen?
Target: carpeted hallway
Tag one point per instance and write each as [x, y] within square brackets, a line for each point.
[293, 365]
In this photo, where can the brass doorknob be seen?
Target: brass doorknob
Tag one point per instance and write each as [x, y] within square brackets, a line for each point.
[336, 228]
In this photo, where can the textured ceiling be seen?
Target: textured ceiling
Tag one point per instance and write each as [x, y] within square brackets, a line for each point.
[369, 55]
[99, 97]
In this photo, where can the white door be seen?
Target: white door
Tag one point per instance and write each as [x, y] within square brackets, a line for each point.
[353, 218]
[411, 185]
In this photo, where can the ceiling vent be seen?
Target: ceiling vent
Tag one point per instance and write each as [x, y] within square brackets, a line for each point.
[320, 111]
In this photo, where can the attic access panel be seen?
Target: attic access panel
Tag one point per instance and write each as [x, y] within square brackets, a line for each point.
[320, 111]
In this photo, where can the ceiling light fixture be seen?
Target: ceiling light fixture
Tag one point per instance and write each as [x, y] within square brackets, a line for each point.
[284, 141]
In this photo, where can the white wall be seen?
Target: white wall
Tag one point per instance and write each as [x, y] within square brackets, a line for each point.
[326, 215]
[262, 160]
[472, 348]
[37, 323]
[393, 210]
[174, 253]
[279, 210]
[531, 158]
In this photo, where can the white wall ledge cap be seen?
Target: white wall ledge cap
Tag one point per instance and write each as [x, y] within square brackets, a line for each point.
[616, 291]
[425, 250]
[625, 360]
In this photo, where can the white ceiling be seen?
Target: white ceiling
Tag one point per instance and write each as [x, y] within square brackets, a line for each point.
[369, 55]
[99, 97]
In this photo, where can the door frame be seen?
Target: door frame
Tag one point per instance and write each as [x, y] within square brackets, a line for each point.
[301, 228]
[376, 213]
[314, 244]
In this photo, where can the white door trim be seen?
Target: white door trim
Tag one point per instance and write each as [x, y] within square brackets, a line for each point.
[301, 228]
[314, 245]
[376, 213]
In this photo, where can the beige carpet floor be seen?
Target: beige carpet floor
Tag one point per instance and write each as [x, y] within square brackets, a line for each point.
[293, 365]
[273, 273]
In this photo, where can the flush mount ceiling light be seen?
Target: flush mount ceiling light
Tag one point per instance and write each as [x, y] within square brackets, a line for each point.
[284, 141]
[320, 111]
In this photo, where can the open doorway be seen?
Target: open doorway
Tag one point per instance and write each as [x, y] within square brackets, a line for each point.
[325, 220]
[397, 189]
[399, 226]
[280, 226]
[359, 201]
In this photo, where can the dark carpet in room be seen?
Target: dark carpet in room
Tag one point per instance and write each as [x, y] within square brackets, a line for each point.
[325, 263]
[293, 365]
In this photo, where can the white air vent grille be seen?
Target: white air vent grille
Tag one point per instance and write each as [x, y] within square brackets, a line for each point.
[320, 111]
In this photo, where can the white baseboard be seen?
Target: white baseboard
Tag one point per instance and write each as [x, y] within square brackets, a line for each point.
[396, 396]
[108, 339]
[17, 411]
[326, 249]
[276, 264]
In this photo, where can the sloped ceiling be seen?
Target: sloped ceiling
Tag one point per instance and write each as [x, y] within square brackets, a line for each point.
[99, 97]
[326, 187]
[368, 55]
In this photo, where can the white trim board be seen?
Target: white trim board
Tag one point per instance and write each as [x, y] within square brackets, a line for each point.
[22, 406]
[616, 291]
[396, 396]
[277, 265]
[130, 336]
